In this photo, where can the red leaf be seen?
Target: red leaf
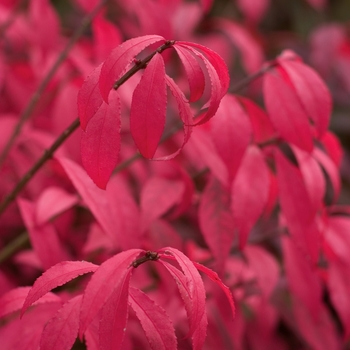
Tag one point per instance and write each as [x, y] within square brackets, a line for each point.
[232, 131]
[261, 124]
[114, 316]
[95, 198]
[56, 276]
[155, 322]
[265, 267]
[249, 194]
[333, 147]
[89, 97]
[148, 108]
[195, 290]
[331, 169]
[302, 277]
[158, 195]
[250, 49]
[286, 112]
[311, 92]
[253, 10]
[61, 331]
[215, 73]
[43, 238]
[216, 220]
[296, 206]
[314, 180]
[100, 144]
[215, 278]
[103, 282]
[121, 57]
[205, 147]
[194, 73]
[106, 37]
[52, 202]
[13, 300]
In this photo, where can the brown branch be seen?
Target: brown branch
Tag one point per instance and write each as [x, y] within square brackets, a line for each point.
[41, 88]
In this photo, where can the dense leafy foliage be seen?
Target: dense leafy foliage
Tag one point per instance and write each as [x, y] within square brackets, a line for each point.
[196, 201]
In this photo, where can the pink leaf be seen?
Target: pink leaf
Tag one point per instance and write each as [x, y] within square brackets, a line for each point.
[215, 278]
[95, 198]
[60, 332]
[311, 92]
[261, 124]
[232, 131]
[196, 292]
[13, 300]
[314, 180]
[100, 143]
[102, 284]
[265, 267]
[155, 322]
[52, 202]
[89, 97]
[114, 316]
[331, 169]
[253, 10]
[194, 73]
[106, 37]
[43, 238]
[249, 48]
[249, 192]
[296, 206]
[218, 87]
[56, 276]
[119, 60]
[157, 197]
[286, 112]
[302, 277]
[148, 108]
[216, 220]
[205, 147]
[197, 326]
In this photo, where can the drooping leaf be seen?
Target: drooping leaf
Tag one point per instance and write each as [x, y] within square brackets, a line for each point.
[100, 143]
[195, 290]
[119, 60]
[95, 198]
[114, 316]
[13, 300]
[43, 238]
[314, 180]
[158, 195]
[302, 277]
[216, 220]
[53, 201]
[109, 276]
[56, 276]
[215, 278]
[89, 97]
[194, 73]
[296, 206]
[249, 194]
[61, 331]
[286, 112]
[232, 131]
[197, 325]
[155, 322]
[148, 108]
[311, 91]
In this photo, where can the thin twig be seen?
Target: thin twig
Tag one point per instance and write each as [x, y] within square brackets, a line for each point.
[14, 246]
[41, 88]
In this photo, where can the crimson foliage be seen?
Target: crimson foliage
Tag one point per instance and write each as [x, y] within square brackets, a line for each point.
[228, 202]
